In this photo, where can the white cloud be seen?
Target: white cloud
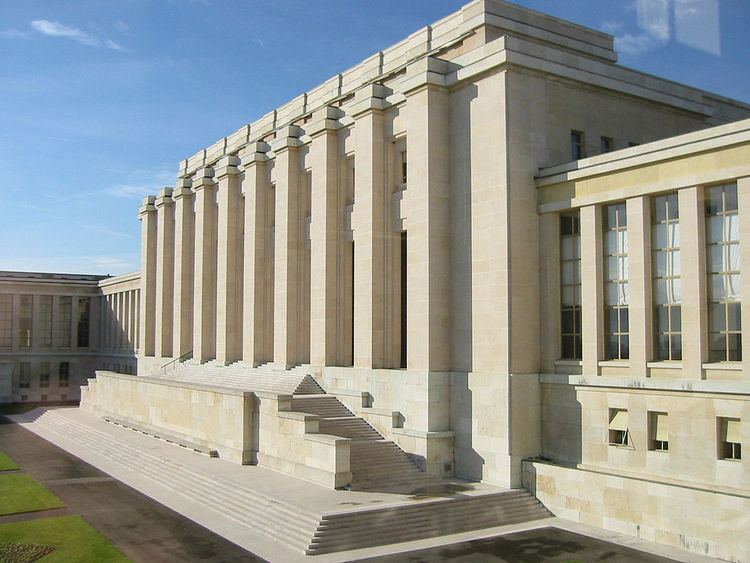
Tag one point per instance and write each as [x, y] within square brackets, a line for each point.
[108, 232]
[130, 191]
[122, 26]
[12, 33]
[80, 264]
[260, 43]
[56, 29]
[636, 44]
[653, 18]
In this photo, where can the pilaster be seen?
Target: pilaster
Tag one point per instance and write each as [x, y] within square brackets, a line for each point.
[694, 308]
[184, 265]
[164, 277]
[549, 265]
[258, 263]
[592, 302]
[147, 215]
[369, 228]
[640, 313]
[288, 243]
[229, 262]
[427, 233]
[324, 237]
[204, 298]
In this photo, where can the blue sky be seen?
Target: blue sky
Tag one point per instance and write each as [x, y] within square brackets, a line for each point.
[100, 99]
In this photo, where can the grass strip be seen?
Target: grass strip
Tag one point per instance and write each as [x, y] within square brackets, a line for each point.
[73, 539]
[20, 493]
[6, 463]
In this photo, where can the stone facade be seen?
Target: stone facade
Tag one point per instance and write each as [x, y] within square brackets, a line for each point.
[436, 236]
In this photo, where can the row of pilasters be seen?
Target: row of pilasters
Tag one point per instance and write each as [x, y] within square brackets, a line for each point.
[229, 274]
[117, 321]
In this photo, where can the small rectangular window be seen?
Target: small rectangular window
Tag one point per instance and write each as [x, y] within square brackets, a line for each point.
[618, 427]
[576, 145]
[608, 144]
[730, 439]
[658, 431]
[404, 167]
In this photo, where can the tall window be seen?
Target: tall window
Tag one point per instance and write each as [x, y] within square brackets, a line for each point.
[24, 320]
[84, 312]
[6, 321]
[45, 321]
[403, 167]
[570, 287]
[723, 256]
[608, 144]
[24, 375]
[665, 246]
[44, 374]
[616, 282]
[576, 145]
[64, 374]
[63, 322]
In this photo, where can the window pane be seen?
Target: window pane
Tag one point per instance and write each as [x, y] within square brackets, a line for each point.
[676, 314]
[733, 317]
[662, 343]
[662, 319]
[716, 288]
[567, 322]
[734, 351]
[566, 250]
[713, 198]
[733, 227]
[674, 208]
[624, 348]
[673, 232]
[660, 208]
[624, 320]
[676, 343]
[715, 258]
[568, 349]
[730, 197]
[660, 235]
[715, 228]
[733, 287]
[733, 258]
[718, 317]
[661, 263]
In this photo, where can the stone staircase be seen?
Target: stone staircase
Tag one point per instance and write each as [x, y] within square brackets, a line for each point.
[383, 526]
[376, 463]
[302, 530]
[239, 375]
[289, 525]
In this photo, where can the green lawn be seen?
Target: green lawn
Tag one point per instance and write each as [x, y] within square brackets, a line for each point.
[20, 493]
[74, 540]
[6, 463]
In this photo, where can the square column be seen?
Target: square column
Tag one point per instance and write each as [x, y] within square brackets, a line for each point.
[694, 308]
[640, 314]
[325, 237]
[427, 202]
[164, 277]
[204, 297]
[258, 263]
[743, 203]
[592, 303]
[147, 215]
[369, 228]
[229, 262]
[287, 348]
[184, 265]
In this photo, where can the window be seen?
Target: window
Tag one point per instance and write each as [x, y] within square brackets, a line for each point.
[24, 321]
[730, 440]
[45, 321]
[658, 431]
[84, 310]
[570, 287]
[632, 144]
[576, 144]
[616, 282]
[618, 427]
[24, 375]
[608, 144]
[63, 322]
[64, 373]
[723, 257]
[6, 321]
[44, 369]
[403, 167]
[665, 256]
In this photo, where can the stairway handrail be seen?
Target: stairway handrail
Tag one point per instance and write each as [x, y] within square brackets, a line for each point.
[186, 356]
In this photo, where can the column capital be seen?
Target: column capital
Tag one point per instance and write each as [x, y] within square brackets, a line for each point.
[164, 197]
[227, 166]
[182, 188]
[254, 152]
[147, 205]
[204, 178]
[326, 119]
[425, 73]
[368, 99]
[287, 138]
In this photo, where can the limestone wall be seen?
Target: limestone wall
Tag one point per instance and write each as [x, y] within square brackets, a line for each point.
[699, 520]
[215, 418]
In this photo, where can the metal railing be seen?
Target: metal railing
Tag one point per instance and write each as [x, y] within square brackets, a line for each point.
[172, 365]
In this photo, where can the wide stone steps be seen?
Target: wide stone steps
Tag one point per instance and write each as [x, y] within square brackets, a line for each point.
[353, 428]
[263, 378]
[375, 527]
[289, 525]
[325, 406]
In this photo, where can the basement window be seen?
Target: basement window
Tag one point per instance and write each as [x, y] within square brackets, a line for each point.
[730, 442]
[618, 428]
[659, 431]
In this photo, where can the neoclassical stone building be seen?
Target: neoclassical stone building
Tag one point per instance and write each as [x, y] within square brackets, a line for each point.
[509, 257]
